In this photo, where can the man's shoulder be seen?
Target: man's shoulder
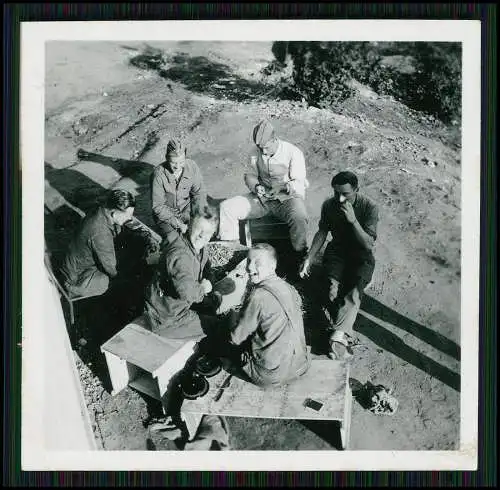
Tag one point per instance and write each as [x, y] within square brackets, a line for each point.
[367, 202]
[192, 165]
[290, 147]
[159, 170]
[328, 203]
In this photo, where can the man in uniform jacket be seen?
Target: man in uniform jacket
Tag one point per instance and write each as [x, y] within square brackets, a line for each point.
[270, 328]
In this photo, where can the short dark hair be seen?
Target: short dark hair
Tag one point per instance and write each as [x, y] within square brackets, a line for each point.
[269, 249]
[345, 177]
[120, 199]
[207, 212]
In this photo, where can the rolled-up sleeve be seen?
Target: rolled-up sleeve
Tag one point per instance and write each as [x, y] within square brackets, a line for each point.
[103, 249]
[371, 221]
[248, 321]
[297, 166]
[187, 288]
[162, 212]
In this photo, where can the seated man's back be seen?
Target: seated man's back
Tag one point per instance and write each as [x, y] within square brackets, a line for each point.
[271, 325]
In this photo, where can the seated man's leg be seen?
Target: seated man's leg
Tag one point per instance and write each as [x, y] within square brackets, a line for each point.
[348, 301]
[90, 283]
[235, 209]
[294, 213]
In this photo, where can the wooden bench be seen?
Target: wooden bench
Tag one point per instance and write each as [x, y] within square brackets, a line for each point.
[326, 382]
[262, 229]
[145, 361]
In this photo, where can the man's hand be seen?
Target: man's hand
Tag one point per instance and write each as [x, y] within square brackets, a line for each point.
[304, 268]
[348, 211]
[183, 228]
[206, 285]
[260, 190]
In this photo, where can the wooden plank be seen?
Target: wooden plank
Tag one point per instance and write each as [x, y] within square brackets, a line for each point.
[145, 383]
[173, 365]
[324, 382]
[140, 347]
[232, 287]
[118, 372]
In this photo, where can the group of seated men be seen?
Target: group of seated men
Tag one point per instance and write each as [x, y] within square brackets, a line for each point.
[268, 329]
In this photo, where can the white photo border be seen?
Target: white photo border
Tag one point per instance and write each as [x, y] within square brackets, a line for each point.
[33, 38]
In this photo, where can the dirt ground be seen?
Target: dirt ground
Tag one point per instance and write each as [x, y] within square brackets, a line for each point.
[117, 103]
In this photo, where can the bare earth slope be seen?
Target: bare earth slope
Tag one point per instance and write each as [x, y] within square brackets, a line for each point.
[214, 94]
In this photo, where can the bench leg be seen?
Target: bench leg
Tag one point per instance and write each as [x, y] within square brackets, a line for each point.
[247, 237]
[118, 372]
[345, 425]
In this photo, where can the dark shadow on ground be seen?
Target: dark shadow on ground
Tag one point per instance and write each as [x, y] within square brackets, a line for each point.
[201, 75]
[328, 430]
[316, 325]
[137, 170]
[78, 189]
[392, 343]
[438, 341]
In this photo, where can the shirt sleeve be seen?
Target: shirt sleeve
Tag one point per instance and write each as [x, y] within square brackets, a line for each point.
[161, 210]
[297, 166]
[249, 320]
[186, 287]
[371, 220]
[323, 221]
[103, 249]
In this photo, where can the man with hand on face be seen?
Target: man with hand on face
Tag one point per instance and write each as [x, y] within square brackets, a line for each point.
[90, 261]
[182, 280]
[269, 327]
[348, 261]
[177, 191]
[276, 188]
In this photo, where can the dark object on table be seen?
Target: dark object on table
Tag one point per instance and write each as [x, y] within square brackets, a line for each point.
[208, 366]
[194, 386]
[315, 405]
[224, 385]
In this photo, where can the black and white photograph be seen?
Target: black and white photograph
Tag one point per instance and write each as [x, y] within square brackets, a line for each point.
[261, 239]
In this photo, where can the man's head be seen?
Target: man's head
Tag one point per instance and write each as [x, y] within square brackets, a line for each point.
[345, 187]
[265, 138]
[121, 205]
[261, 262]
[175, 156]
[202, 227]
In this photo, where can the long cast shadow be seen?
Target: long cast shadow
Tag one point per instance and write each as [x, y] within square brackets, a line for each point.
[316, 326]
[392, 343]
[437, 340]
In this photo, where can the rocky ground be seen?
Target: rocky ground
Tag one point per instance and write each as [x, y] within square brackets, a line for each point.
[121, 103]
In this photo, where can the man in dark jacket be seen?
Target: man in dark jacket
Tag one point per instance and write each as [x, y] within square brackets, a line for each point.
[90, 261]
[270, 327]
[348, 261]
[177, 192]
[181, 281]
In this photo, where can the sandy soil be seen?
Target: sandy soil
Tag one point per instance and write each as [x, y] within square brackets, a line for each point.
[111, 99]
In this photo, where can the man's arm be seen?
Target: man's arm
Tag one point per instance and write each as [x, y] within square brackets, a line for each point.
[161, 210]
[187, 288]
[363, 238]
[297, 172]
[248, 321]
[103, 249]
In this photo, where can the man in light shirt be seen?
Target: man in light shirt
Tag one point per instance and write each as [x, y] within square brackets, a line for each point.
[276, 188]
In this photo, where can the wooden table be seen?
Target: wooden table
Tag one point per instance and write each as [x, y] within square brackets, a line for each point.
[326, 382]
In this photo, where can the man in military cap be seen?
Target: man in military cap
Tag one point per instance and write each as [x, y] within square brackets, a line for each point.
[277, 187]
[177, 191]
